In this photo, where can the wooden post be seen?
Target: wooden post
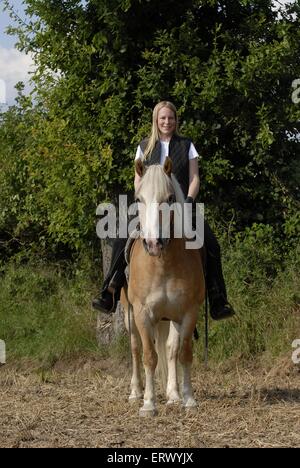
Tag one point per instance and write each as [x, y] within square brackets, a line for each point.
[109, 327]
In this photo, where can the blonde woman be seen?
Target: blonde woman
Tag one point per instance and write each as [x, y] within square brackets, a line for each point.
[164, 141]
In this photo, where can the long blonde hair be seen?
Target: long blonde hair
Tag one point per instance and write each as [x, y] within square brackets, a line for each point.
[154, 136]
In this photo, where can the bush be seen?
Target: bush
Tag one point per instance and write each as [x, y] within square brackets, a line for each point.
[263, 290]
[45, 315]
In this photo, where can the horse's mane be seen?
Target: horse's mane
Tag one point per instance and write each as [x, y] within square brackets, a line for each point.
[157, 185]
[177, 190]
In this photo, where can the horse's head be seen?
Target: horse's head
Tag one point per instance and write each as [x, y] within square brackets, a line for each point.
[155, 196]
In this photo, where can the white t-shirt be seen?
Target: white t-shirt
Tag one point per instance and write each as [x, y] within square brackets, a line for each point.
[165, 152]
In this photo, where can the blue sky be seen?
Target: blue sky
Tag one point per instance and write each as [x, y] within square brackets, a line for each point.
[15, 66]
[5, 40]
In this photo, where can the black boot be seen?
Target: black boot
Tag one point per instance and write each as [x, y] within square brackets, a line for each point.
[106, 302]
[114, 281]
[219, 305]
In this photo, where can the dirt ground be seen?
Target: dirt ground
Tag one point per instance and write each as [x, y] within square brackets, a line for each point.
[84, 404]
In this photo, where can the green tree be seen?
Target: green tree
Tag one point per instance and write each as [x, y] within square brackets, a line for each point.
[101, 66]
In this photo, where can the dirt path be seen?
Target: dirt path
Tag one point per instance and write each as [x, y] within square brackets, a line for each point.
[84, 405]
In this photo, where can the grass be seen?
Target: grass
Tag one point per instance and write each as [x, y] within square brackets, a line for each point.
[267, 306]
[45, 312]
[46, 315]
[86, 406]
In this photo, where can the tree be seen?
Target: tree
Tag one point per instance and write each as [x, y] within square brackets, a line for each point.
[101, 67]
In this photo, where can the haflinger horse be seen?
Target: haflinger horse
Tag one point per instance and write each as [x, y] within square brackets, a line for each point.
[165, 290]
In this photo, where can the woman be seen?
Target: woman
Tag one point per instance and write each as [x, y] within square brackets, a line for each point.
[165, 141]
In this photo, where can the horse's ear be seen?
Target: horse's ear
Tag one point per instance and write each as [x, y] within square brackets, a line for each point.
[168, 166]
[139, 167]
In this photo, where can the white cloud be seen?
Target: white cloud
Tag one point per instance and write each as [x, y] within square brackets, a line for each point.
[14, 67]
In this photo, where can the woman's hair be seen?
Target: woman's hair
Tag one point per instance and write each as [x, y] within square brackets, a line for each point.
[154, 136]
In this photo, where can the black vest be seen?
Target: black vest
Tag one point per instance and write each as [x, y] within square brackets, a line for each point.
[179, 153]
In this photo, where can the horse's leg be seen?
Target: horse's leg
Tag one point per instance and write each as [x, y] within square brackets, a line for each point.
[136, 380]
[172, 354]
[186, 358]
[146, 331]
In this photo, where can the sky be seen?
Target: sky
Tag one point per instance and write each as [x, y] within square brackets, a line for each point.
[14, 65]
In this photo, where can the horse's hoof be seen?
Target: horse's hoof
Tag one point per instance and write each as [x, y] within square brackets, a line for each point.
[173, 401]
[148, 413]
[173, 397]
[190, 404]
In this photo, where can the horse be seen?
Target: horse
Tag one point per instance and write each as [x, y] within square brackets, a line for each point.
[165, 290]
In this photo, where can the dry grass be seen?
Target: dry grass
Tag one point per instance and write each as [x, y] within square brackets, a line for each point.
[84, 404]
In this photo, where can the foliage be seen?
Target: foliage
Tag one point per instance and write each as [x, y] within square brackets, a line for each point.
[267, 305]
[45, 314]
[100, 68]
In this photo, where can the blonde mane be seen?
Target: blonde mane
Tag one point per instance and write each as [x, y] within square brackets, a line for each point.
[156, 186]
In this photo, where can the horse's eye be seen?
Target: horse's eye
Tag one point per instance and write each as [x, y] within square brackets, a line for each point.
[171, 199]
[137, 200]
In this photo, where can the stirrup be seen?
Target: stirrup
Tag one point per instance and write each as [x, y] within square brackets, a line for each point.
[105, 306]
[222, 312]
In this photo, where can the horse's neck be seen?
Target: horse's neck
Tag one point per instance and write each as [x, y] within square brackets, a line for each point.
[174, 251]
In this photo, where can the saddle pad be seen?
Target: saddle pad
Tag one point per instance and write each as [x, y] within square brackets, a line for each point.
[130, 241]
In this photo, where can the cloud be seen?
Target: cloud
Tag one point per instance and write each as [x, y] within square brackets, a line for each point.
[14, 67]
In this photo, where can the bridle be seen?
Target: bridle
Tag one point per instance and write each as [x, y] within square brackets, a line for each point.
[164, 242]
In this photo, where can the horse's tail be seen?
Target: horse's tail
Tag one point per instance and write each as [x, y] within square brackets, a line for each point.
[161, 337]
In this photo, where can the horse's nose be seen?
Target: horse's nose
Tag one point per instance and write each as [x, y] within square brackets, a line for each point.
[154, 246]
[152, 243]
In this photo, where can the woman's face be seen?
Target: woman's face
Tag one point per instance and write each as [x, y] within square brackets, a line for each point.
[166, 122]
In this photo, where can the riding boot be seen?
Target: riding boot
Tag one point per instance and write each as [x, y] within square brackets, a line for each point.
[114, 280]
[217, 295]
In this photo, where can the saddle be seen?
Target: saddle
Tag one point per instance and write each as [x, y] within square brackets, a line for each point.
[128, 247]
